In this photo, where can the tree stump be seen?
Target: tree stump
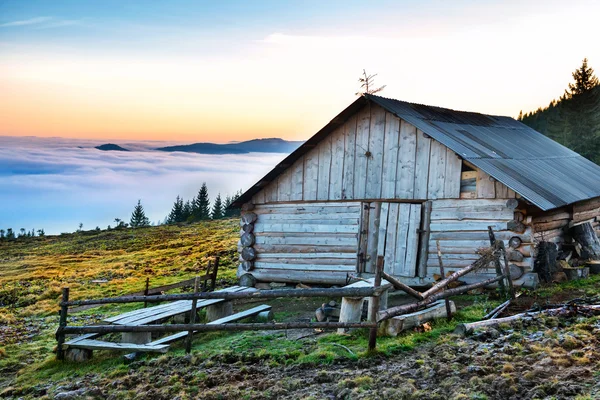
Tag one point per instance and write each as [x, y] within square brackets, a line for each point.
[351, 311]
[585, 235]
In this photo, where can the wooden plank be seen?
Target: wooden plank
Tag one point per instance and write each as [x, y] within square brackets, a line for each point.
[322, 212]
[383, 226]
[302, 255]
[363, 238]
[390, 241]
[327, 240]
[362, 147]
[148, 311]
[299, 228]
[473, 203]
[401, 239]
[103, 345]
[459, 215]
[453, 175]
[302, 267]
[469, 225]
[82, 337]
[169, 339]
[314, 218]
[370, 282]
[307, 205]
[486, 188]
[422, 161]
[289, 248]
[349, 154]
[259, 197]
[501, 190]
[478, 235]
[311, 175]
[337, 164]
[373, 236]
[390, 156]
[405, 187]
[437, 171]
[284, 185]
[324, 168]
[297, 179]
[241, 315]
[412, 241]
[375, 160]
[271, 192]
[308, 221]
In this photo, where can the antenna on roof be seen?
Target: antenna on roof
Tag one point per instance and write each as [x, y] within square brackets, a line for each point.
[367, 85]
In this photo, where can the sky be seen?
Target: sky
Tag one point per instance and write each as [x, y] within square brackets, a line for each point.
[233, 70]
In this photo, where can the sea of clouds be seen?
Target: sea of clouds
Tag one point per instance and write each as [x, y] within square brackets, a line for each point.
[58, 183]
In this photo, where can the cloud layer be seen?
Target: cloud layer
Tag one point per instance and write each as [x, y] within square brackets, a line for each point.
[55, 183]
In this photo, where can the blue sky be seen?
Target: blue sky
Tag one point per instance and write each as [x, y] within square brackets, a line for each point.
[180, 69]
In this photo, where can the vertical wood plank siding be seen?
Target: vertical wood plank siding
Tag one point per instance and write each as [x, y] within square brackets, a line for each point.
[373, 155]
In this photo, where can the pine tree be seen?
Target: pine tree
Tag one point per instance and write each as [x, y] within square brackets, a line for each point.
[217, 210]
[41, 232]
[202, 204]
[176, 212]
[2, 233]
[585, 80]
[10, 234]
[232, 212]
[138, 216]
[186, 213]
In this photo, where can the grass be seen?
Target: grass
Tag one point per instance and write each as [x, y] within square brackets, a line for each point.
[33, 271]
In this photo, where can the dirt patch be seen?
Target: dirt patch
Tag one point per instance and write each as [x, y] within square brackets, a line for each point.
[545, 358]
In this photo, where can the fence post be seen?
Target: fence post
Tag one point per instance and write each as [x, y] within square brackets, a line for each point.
[60, 336]
[375, 304]
[502, 283]
[213, 282]
[188, 340]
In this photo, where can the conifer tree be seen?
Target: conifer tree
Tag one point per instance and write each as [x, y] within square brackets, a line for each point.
[176, 212]
[186, 213]
[10, 234]
[585, 80]
[202, 204]
[2, 233]
[138, 216]
[217, 210]
[231, 212]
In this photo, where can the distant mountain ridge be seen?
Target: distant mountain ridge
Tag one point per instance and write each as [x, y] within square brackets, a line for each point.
[271, 145]
[110, 147]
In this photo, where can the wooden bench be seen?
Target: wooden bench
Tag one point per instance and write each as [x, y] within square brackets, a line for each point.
[352, 307]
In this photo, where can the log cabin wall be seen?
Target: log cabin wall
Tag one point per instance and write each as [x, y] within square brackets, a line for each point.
[373, 155]
[461, 226]
[305, 242]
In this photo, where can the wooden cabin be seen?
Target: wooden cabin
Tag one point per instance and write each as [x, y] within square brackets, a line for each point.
[391, 178]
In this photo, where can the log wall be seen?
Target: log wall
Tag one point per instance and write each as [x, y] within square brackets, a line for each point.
[373, 155]
[306, 242]
[461, 226]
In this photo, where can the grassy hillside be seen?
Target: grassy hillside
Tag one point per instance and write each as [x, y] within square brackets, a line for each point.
[33, 270]
[264, 364]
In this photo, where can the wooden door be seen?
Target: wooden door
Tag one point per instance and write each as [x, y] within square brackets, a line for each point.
[392, 232]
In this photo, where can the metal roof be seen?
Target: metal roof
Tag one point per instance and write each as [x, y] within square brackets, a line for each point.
[541, 170]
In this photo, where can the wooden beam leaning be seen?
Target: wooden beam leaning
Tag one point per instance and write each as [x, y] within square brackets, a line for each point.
[442, 274]
[259, 294]
[407, 308]
[401, 286]
[481, 263]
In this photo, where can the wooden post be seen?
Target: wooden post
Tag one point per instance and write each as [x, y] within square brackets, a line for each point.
[424, 242]
[208, 272]
[60, 336]
[509, 282]
[188, 341]
[146, 290]
[213, 282]
[442, 273]
[501, 282]
[375, 304]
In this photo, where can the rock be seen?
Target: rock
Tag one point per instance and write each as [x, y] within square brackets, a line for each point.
[73, 394]
[78, 355]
